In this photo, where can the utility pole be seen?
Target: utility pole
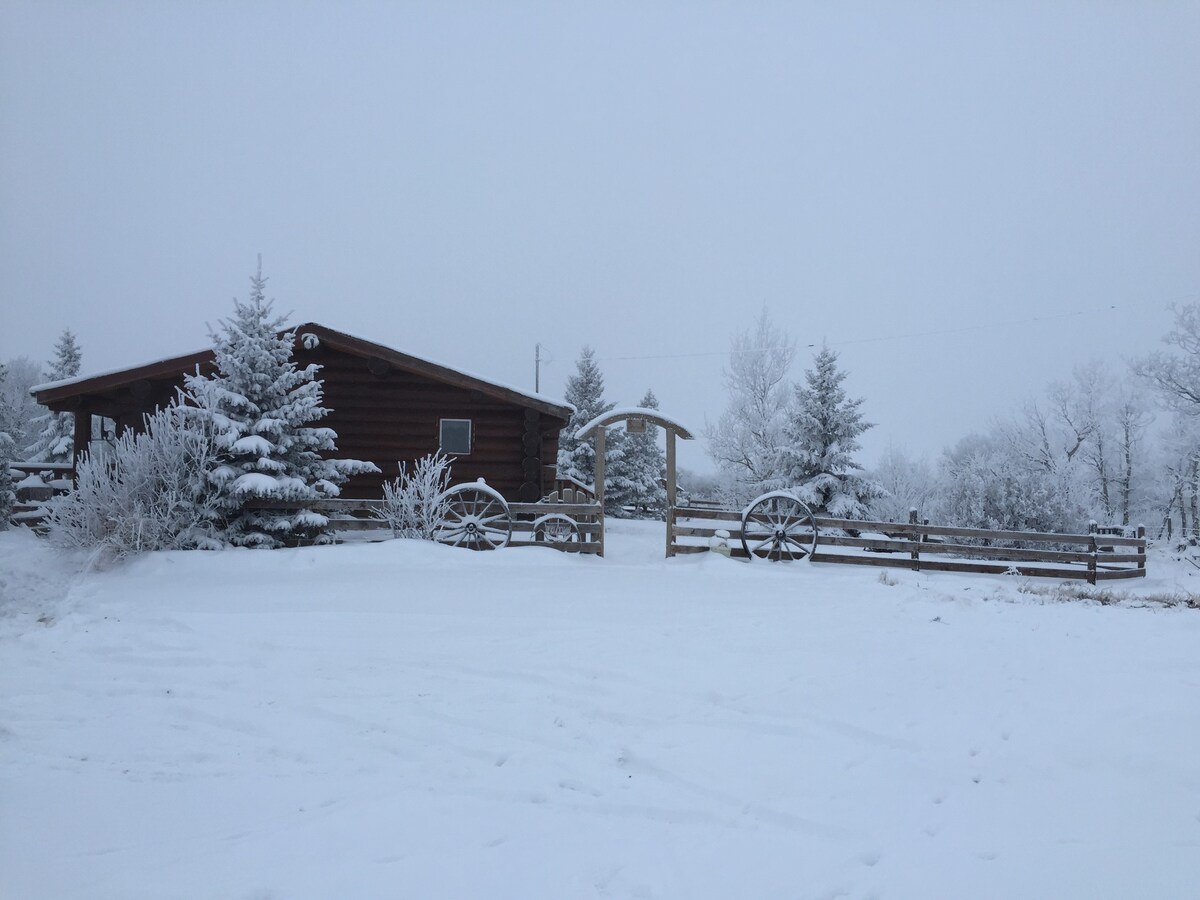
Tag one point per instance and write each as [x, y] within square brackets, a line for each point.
[537, 368]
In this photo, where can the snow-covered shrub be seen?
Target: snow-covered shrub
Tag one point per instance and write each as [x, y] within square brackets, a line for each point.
[145, 492]
[984, 484]
[259, 406]
[414, 504]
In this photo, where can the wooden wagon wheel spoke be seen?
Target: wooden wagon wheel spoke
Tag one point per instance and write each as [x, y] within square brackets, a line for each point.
[764, 542]
[800, 548]
[778, 527]
[476, 517]
[557, 528]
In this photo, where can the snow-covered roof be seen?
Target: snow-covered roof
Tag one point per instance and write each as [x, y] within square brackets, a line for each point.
[621, 413]
[107, 373]
[170, 365]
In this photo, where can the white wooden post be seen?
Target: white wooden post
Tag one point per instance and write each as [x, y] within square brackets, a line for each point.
[670, 491]
[598, 443]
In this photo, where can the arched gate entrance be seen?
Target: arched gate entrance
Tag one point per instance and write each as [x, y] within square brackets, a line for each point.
[636, 420]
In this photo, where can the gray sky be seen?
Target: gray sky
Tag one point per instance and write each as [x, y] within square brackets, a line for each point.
[963, 199]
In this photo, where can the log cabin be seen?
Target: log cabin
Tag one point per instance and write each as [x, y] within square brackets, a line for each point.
[386, 406]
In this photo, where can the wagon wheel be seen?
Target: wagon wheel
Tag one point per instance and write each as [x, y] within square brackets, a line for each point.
[556, 528]
[778, 527]
[476, 517]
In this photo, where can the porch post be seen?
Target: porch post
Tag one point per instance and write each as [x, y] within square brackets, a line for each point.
[83, 433]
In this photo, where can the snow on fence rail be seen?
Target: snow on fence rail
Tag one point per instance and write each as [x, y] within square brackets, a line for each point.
[34, 483]
[360, 515]
[923, 547]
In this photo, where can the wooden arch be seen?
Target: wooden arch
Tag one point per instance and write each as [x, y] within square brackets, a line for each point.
[636, 418]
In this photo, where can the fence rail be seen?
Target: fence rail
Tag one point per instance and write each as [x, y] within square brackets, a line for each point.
[348, 515]
[34, 484]
[922, 547]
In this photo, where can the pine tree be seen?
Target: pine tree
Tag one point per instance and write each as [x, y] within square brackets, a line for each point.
[259, 405]
[7, 451]
[56, 430]
[585, 391]
[638, 469]
[822, 437]
[22, 374]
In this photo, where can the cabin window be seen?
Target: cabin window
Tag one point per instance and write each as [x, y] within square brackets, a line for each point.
[456, 436]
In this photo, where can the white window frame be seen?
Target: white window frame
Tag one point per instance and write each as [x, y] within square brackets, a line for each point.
[470, 437]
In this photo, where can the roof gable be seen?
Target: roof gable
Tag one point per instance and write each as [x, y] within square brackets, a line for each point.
[58, 393]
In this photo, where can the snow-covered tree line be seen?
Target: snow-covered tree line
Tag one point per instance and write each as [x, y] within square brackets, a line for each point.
[1112, 444]
[779, 435]
[38, 434]
[634, 464]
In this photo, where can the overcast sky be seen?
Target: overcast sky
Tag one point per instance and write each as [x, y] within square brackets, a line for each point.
[963, 199]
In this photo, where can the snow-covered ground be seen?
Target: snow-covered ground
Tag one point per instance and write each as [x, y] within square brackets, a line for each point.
[408, 720]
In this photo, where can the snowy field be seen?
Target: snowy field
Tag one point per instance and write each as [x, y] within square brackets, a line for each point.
[407, 720]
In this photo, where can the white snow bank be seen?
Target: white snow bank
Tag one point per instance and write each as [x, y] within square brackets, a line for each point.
[409, 720]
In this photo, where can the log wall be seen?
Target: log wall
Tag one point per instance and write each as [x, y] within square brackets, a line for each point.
[386, 416]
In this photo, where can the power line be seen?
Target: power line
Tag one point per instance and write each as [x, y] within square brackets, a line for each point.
[876, 339]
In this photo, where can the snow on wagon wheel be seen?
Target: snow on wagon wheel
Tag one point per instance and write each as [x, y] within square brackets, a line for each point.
[778, 527]
[555, 528]
[476, 517]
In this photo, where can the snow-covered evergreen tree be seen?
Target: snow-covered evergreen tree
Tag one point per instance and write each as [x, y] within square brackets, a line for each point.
[638, 468]
[56, 430]
[585, 391]
[7, 450]
[822, 437]
[260, 406]
[23, 373]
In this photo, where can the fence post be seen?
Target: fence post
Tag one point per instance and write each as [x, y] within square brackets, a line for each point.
[1141, 536]
[916, 536]
[671, 492]
[1092, 528]
[599, 479]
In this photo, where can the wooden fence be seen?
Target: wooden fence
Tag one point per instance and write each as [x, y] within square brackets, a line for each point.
[362, 516]
[35, 483]
[931, 548]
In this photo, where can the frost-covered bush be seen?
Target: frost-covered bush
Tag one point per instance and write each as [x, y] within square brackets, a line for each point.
[145, 492]
[985, 485]
[413, 504]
